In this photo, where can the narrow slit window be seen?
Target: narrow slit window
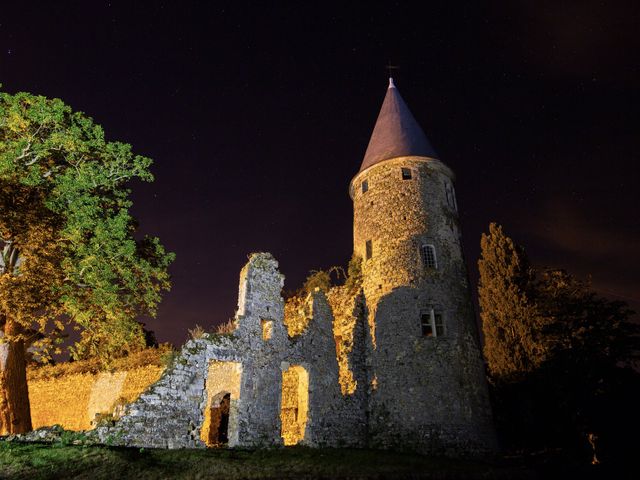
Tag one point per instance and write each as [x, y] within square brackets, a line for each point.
[267, 329]
[368, 249]
[428, 254]
[451, 196]
[365, 186]
[406, 173]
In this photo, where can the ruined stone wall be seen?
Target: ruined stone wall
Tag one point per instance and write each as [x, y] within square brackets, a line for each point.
[336, 418]
[73, 401]
[171, 414]
[348, 384]
[260, 300]
[427, 393]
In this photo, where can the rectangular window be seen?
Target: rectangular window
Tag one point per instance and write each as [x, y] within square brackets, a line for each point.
[369, 249]
[432, 323]
[365, 186]
[425, 322]
[267, 329]
[428, 254]
[406, 174]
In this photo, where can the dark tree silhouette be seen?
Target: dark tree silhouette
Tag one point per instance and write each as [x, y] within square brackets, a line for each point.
[558, 355]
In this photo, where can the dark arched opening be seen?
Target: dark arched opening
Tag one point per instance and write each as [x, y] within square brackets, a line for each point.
[218, 422]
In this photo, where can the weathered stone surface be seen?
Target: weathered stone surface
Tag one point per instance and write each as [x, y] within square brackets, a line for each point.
[427, 392]
[171, 413]
[395, 365]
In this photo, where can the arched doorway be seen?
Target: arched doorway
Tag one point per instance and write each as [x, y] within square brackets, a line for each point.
[294, 407]
[220, 420]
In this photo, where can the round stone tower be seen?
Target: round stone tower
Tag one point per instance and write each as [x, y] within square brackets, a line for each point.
[427, 386]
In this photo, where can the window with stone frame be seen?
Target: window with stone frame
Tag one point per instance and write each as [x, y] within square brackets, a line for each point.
[365, 186]
[432, 323]
[428, 255]
[368, 249]
[406, 173]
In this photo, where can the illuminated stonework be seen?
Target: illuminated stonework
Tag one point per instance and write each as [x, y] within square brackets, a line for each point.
[267, 329]
[346, 307]
[294, 404]
[359, 365]
[222, 393]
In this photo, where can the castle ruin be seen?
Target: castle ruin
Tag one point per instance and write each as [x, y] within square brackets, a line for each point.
[393, 362]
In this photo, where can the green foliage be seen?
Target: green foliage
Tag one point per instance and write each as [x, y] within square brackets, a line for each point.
[592, 328]
[64, 213]
[69, 437]
[160, 356]
[168, 358]
[354, 274]
[556, 353]
[108, 340]
[38, 461]
[319, 279]
[512, 326]
[323, 280]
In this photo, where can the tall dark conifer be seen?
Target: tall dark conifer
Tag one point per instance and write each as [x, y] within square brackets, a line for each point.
[511, 323]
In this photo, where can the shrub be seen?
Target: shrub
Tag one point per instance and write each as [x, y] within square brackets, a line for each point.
[227, 327]
[196, 332]
[148, 356]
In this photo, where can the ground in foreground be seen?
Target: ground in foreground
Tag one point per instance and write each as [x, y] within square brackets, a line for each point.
[54, 461]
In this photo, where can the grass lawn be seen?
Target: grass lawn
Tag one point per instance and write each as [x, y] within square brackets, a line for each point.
[57, 461]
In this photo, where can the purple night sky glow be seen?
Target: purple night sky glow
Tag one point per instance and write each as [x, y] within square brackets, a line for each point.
[257, 118]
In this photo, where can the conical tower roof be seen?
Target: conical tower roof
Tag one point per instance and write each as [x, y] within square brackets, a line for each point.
[396, 134]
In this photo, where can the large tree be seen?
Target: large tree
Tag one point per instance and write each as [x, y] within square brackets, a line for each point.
[511, 323]
[69, 254]
[556, 353]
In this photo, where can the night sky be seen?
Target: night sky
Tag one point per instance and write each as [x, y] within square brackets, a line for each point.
[258, 117]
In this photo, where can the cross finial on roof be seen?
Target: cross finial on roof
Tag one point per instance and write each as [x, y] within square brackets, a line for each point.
[390, 68]
[396, 133]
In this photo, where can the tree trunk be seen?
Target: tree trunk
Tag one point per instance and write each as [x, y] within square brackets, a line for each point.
[15, 411]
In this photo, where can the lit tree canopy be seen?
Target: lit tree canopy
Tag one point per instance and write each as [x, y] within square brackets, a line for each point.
[67, 237]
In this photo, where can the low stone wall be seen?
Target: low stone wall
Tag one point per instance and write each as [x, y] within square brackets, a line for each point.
[73, 401]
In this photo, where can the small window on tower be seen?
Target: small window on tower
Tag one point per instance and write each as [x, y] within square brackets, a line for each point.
[451, 196]
[369, 249]
[428, 254]
[406, 174]
[365, 186]
[432, 323]
[267, 329]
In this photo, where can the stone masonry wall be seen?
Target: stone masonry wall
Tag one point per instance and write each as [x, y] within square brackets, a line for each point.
[73, 401]
[171, 413]
[427, 393]
[420, 393]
